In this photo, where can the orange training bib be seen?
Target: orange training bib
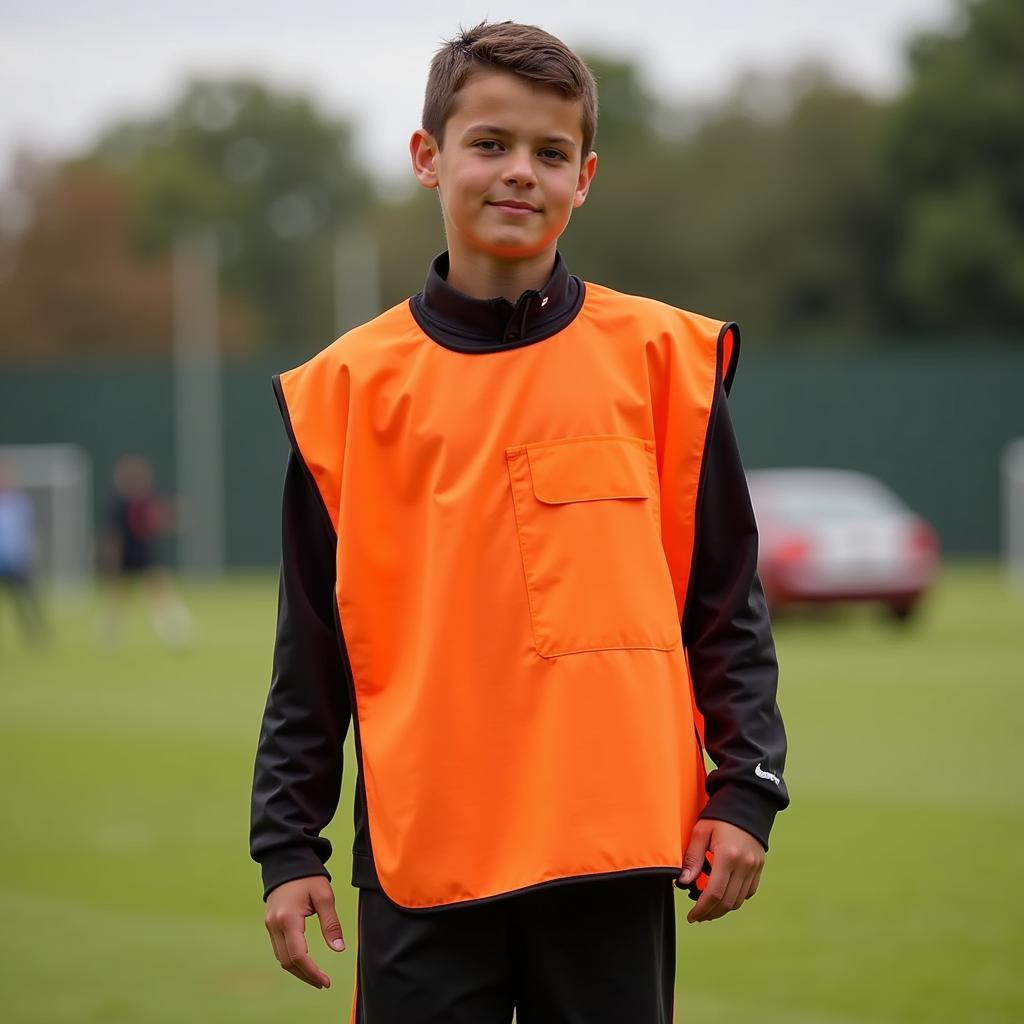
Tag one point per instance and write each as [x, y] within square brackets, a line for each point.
[515, 535]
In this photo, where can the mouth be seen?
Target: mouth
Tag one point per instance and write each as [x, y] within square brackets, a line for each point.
[514, 206]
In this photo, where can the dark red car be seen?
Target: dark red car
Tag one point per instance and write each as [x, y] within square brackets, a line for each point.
[831, 535]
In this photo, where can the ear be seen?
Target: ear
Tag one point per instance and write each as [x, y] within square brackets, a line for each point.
[423, 150]
[587, 172]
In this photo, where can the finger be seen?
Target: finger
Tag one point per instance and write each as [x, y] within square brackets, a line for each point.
[693, 859]
[736, 892]
[756, 881]
[712, 895]
[330, 926]
[299, 958]
[277, 941]
[276, 945]
[707, 902]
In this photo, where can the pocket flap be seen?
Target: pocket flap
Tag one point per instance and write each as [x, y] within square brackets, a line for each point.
[589, 468]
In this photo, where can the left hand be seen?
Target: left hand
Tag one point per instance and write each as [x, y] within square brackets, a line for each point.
[735, 873]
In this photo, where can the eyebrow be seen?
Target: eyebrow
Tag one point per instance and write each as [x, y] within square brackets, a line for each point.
[493, 129]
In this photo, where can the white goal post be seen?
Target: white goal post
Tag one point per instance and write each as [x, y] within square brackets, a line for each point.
[58, 480]
[1013, 509]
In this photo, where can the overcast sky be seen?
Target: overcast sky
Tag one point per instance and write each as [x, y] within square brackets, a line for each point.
[68, 67]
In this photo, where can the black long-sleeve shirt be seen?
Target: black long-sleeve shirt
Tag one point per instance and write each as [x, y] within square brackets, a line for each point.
[725, 629]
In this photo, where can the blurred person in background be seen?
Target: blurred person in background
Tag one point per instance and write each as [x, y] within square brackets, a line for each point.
[17, 555]
[136, 519]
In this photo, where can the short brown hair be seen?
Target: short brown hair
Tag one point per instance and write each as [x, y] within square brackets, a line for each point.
[523, 50]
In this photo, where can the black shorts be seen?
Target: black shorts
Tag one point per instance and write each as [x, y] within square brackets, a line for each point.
[597, 951]
[136, 558]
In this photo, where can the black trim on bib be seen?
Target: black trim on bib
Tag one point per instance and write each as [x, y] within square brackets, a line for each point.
[467, 324]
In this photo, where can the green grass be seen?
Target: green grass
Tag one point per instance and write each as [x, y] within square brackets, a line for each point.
[891, 892]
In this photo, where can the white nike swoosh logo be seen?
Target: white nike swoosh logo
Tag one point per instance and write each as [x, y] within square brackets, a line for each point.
[766, 775]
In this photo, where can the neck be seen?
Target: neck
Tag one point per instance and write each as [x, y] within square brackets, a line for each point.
[483, 276]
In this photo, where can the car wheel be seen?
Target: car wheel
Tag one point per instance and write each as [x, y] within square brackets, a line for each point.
[901, 611]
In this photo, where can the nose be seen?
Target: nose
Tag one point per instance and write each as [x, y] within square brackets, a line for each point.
[518, 169]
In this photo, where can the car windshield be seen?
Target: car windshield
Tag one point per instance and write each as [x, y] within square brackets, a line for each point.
[802, 502]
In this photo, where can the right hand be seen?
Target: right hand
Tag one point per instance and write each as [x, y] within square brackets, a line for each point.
[288, 906]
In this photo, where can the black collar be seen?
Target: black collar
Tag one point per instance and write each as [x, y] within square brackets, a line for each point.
[466, 324]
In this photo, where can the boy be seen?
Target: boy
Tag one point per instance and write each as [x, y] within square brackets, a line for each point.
[518, 551]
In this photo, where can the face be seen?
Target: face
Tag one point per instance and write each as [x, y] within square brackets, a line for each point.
[510, 174]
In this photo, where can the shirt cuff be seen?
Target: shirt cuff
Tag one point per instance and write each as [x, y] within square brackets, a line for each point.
[745, 807]
[288, 863]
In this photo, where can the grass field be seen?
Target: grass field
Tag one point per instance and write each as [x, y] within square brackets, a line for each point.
[891, 893]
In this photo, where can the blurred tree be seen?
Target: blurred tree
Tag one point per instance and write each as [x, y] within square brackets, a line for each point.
[85, 249]
[794, 205]
[410, 233]
[274, 175]
[71, 282]
[957, 150]
[622, 236]
[770, 207]
[789, 210]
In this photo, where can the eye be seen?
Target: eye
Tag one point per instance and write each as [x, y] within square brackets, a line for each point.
[556, 154]
[487, 142]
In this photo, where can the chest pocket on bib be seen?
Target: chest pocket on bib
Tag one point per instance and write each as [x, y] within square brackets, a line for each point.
[587, 512]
